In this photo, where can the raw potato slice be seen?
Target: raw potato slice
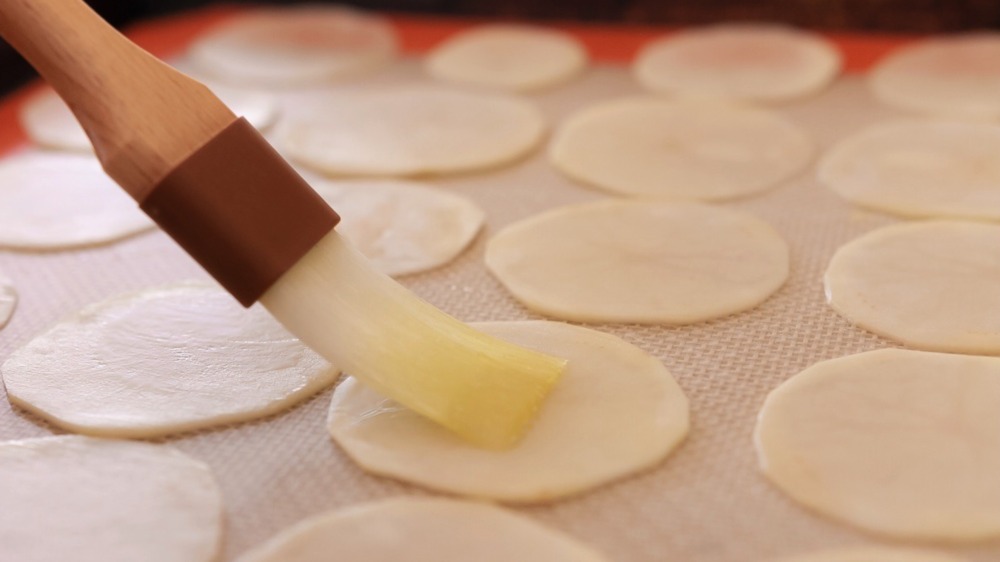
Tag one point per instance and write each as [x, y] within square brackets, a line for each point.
[403, 227]
[160, 361]
[420, 530]
[508, 57]
[702, 151]
[414, 131]
[610, 389]
[955, 76]
[872, 554]
[101, 500]
[282, 47]
[48, 121]
[8, 300]
[635, 261]
[901, 443]
[929, 285]
[919, 169]
[766, 63]
[59, 201]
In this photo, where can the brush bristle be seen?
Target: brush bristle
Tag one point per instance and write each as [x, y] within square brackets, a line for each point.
[482, 388]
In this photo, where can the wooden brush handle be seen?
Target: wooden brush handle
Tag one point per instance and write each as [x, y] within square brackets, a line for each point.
[142, 116]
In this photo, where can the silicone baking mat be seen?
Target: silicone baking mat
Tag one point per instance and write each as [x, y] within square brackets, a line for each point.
[706, 503]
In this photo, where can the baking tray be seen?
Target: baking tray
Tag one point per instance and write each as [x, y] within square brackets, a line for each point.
[706, 503]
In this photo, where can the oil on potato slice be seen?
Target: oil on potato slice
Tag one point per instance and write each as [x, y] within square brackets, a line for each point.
[609, 389]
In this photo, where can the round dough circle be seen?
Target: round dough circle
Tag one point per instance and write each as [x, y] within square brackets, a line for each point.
[610, 388]
[639, 261]
[48, 121]
[8, 300]
[420, 529]
[95, 500]
[897, 442]
[403, 227]
[658, 148]
[287, 46]
[58, 201]
[414, 131]
[766, 63]
[919, 169]
[930, 285]
[508, 57]
[954, 76]
[163, 360]
[872, 554]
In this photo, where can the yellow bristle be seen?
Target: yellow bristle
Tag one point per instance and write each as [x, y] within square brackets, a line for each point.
[484, 389]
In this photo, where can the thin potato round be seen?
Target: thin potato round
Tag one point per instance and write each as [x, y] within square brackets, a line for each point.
[167, 359]
[695, 151]
[414, 131]
[609, 389]
[49, 122]
[901, 443]
[424, 530]
[95, 500]
[955, 76]
[872, 554]
[931, 285]
[634, 261]
[281, 47]
[403, 227]
[508, 57]
[59, 201]
[766, 63]
[919, 169]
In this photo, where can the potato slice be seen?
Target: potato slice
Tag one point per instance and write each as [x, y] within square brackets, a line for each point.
[420, 529]
[919, 169]
[167, 359]
[49, 122]
[766, 63]
[282, 47]
[955, 76]
[698, 151]
[59, 201]
[930, 285]
[403, 227]
[8, 300]
[872, 554]
[609, 389]
[897, 442]
[413, 131]
[96, 500]
[635, 261]
[517, 58]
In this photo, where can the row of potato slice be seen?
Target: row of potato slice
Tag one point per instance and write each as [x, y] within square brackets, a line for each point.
[649, 54]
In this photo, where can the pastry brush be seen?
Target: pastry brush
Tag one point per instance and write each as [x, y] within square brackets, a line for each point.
[214, 184]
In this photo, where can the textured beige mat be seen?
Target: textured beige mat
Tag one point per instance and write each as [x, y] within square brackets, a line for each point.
[706, 503]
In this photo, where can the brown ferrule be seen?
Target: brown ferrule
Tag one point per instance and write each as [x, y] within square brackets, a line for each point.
[240, 211]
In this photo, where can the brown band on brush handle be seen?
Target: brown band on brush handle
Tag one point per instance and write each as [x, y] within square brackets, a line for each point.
[240, 211]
